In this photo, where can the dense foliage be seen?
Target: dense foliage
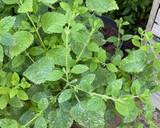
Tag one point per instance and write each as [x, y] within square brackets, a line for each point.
[136, 12]
[54, 71]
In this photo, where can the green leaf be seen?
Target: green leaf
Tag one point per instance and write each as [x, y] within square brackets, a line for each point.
[16, 103]
[1, 54]
[26, 6]
[18, 61]
[125, 105]
[61, 117]
[112, 68]
[26, 117]
[127, 37]
[54, 75]
[102, 55]
[22, 95]
[23, 40]
[7, 39]
[48, 1]
[4, 90]
[86, 82]
[36, 51]
[93, 47]
[3, 101]
[65, 95]
[53, 22]
[6, 24]
[39, 70]
[136, 41]
[15, 79]
[135, 62]
[59, 56]
[13, 92]
[89, 117]
[40, 123]
[80, 68]
[136, 87]
[102, 5]
[10, 1]
[115, 87]
[8, 123]
[43, 104]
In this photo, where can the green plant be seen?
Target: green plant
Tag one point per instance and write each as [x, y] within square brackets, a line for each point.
[54, 70]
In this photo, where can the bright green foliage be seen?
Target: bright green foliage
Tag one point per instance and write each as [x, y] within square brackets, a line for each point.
[23, 41]
[55, 70]
[101, 6]
[53, 22]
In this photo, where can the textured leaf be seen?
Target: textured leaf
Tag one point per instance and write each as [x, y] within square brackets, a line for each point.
[3, 101]
[61, 117]
[111, 67]
[86, 82]
[27, 6]
[59, 56]
[16, 103]
[101, 5]
[22, 95]
[40, 123]
[136, 87]
[89, 117]
[53, 22]
[6, 24]
[8, 123]
[15, 79]
[65, 95]
[7, 39]
[135, 62]
[54, 75]
[39, 70]
[23, 41]
[78, 69]
[125, 105]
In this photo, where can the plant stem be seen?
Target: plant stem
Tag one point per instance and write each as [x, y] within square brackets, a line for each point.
[37, 32]
[67, 31]
[33, 119]
[88, 40]
[29, 57]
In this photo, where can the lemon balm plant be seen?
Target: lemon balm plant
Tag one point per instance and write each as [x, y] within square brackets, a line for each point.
[54, 71]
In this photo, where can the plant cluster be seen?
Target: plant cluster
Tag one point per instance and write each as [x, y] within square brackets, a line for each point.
[54, 71]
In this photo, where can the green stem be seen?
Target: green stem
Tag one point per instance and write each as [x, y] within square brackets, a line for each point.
[67, 31]
[36, 30]
[88, 40]
[33, 119]
[29, 57]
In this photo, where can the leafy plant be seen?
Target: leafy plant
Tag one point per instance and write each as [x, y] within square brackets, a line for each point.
[54, 71]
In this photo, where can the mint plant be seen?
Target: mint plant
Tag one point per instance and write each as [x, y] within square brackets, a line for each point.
[54, 71]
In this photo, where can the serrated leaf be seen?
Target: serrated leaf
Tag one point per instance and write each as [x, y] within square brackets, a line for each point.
[23, 40]
[6, 24]
[54, 75]
[8, 123]
[136, 87]
[26, 6]
[80, 68]
[40, 123]
[22, 95]
[111, 67]
[135, 62]
[102, 5]
[13, 92]
[53, 22]
[65, 95]
[7, 39]
[39, 70]
[43, 104]
[3, 101]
